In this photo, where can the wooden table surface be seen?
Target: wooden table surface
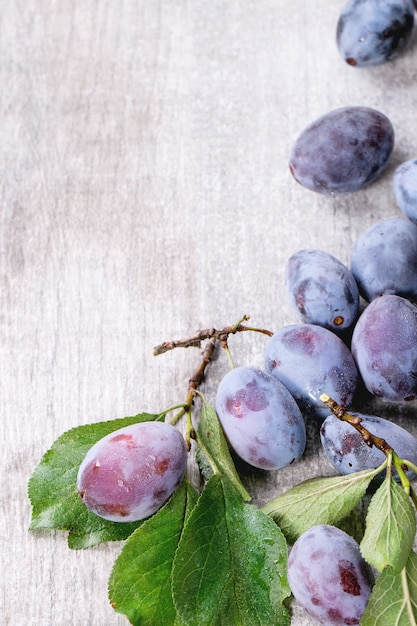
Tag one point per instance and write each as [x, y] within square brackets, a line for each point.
[145, 194]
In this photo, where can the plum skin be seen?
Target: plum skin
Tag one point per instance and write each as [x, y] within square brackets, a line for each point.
[371, 32]
[130, 473]
[384, 346]
[384, 259]
[405, 188]
[321, 290]
[342, 151]
[260, 418]
[328, 576]
[311, 360]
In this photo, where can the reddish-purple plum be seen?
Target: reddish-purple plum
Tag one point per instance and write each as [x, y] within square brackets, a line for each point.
[260, 418]
[321, 289]
[328, 576]
[310, 360]
[129, 474]
[384, 345]
[342, 151]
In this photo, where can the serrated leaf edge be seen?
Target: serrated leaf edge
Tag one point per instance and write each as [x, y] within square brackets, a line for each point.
[393, 493]
[330, 483]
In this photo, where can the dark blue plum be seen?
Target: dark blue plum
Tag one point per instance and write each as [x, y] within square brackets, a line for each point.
[310, 360]
[347, 451]
[384, 345]
[371, 32]
[328, 576]
[405, 188]
[260, 418]
[384, 259]
[343, 151]
[321, 290]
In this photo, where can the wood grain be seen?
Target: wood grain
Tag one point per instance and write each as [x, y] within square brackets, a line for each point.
[145, 194]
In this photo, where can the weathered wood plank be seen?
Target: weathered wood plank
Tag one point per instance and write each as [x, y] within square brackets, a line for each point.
[145, 193]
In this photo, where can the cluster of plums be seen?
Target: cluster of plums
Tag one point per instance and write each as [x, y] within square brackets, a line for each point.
[354, 324]
[344, 151]
[129, 474]
[304, 360]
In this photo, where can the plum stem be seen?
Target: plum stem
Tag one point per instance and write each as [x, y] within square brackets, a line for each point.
[370, 439]
[221, 335]
[170, 409]
[400, 466]
[410, 465]
[193, 384]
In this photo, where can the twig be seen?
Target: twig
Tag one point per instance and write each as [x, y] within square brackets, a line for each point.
[193, 384]
[196, 380]
[369, 438]
[196, 340]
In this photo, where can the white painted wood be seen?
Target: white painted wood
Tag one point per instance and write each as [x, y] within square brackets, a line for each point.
[145, 194]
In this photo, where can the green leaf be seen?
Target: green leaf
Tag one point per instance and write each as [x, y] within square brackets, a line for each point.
[204, 466]
[230, 566]
[140, 582]
[213, 444]
[393, 600]
[390, 527]
[318, 501]
[53, 493]
[354, 523]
